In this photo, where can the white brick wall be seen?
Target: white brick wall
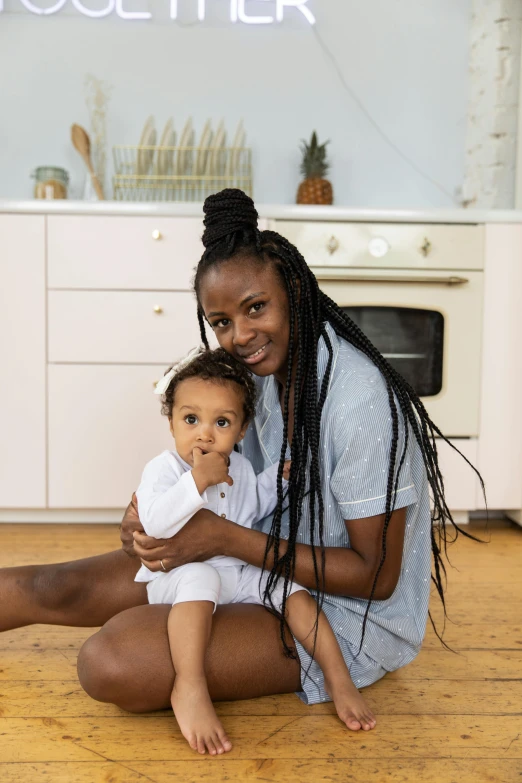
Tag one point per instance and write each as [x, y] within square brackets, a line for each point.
[494, 69]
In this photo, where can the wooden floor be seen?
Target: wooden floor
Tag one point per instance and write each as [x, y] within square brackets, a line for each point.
[445, 718]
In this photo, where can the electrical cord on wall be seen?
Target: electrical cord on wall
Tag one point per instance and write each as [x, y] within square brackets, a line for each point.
[373, 122]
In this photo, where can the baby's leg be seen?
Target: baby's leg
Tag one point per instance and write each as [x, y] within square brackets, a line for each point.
[194, 592]
[189, 628]
[301, 615]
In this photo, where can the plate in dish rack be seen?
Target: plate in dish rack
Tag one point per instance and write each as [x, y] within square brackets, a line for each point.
[203, 153]
[165, 161]
[234, 156]
[145, 157]
[184, 162]
[216, 160]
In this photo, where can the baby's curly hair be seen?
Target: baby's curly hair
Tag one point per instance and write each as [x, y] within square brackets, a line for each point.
[219, 367]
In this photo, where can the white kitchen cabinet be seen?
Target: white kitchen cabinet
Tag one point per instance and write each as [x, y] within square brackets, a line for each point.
[104, 425]
[22, 361]
[500, 444]
[123, 252]
[461, 484]
[80, 351]
[122, 327]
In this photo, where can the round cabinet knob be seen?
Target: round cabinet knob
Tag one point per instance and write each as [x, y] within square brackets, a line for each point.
[425, 248]
[157, 234]
[378, 247]
[332, 245]
[158, 310]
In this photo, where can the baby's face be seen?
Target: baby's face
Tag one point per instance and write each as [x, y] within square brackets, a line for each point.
[207, 415]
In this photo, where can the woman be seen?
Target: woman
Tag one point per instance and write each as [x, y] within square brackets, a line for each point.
[356, 521]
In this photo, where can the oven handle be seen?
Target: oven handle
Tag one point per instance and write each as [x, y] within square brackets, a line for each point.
[336, 275]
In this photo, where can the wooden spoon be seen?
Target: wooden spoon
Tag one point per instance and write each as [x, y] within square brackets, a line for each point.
[80, 139]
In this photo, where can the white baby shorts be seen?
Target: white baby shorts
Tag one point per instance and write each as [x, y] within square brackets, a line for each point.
[232, 584]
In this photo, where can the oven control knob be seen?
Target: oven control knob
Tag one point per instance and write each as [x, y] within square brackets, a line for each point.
[378, 247]
[425, 249]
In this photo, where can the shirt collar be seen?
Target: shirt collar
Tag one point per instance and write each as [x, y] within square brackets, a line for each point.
[269, 419]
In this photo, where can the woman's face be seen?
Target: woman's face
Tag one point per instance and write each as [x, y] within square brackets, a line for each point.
[247, 306]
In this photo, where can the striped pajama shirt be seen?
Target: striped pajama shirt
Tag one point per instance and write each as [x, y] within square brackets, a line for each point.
[356, 434]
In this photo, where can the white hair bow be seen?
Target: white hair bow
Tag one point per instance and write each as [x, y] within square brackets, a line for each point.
[163, 385]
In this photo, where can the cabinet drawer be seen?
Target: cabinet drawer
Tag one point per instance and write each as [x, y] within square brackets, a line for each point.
[414, 245]
[122, 252]
[121, 326]
[105, 424]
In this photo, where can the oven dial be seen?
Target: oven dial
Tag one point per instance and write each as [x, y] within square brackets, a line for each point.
[378, 247]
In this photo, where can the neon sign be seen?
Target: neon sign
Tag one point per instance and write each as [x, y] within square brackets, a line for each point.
[238, 10]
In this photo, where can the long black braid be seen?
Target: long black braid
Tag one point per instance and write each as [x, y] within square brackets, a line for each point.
[231, 232]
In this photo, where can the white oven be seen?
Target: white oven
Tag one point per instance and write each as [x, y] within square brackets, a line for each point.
[416, 292]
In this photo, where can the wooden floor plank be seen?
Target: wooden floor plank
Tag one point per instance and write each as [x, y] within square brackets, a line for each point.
[54, 637]
[32, 699]
[445, 718]
[462, 636]
[38, 664]
[263, 737]
[467, 665]
[49, 664]
[347, 770]
[472, 636]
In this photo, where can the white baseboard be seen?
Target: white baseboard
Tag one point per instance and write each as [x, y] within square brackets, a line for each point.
[460, 517]
[515, 515]
[100, 516]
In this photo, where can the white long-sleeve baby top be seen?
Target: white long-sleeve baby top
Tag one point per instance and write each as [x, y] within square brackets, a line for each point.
[168, 497]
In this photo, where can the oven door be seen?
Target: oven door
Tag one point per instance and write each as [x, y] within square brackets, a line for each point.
[428, 325]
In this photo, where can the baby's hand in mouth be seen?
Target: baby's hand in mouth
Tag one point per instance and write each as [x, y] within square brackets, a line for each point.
[210, 469]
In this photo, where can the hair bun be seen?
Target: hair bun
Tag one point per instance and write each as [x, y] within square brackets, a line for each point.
[227, 212]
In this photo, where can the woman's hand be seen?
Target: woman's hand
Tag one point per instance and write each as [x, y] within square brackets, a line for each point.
[198, 540]
[129, 524]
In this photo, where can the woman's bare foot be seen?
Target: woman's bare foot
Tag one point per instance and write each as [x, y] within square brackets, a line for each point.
[197, 718]
[349, 704]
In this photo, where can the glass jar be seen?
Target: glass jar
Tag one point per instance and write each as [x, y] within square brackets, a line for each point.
[51, 182]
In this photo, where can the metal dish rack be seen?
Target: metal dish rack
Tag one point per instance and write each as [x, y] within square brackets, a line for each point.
[169, 173]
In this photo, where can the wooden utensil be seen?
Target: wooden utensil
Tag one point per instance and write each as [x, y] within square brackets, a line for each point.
[80, 139]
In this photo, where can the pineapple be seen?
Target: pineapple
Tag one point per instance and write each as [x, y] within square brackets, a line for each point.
[315, 189]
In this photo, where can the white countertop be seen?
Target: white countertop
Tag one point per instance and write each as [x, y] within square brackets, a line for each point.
[276, 211]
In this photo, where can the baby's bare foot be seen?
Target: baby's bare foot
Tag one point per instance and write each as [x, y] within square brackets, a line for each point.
[197, 718]
[349, 704]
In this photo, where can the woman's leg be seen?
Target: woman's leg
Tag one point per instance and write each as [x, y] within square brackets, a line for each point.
[128, 661]
[84, 592]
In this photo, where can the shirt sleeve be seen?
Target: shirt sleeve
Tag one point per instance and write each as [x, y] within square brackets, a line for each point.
[267, 491]
[361, 440]
[167, 499]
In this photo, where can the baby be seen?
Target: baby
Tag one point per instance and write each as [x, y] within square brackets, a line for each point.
[210, 400]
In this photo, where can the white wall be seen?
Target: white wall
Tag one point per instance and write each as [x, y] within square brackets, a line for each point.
[406, 60]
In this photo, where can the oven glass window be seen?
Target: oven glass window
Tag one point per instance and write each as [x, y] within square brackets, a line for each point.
[411, 340]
